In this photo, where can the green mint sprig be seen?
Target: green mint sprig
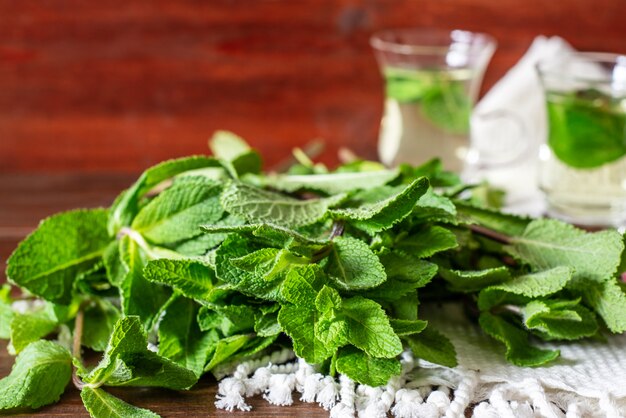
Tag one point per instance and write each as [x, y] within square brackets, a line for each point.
[206, 261]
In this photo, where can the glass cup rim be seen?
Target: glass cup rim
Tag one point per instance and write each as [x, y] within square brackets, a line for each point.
[552, 66]
[378, 41]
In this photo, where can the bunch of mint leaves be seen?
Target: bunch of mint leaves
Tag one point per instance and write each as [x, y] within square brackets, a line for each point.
[206, 261]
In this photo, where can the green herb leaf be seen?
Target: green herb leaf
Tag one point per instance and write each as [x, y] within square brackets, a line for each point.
[39, 376]
[405, 274]
[475, 280]
[64, 245]
[128, 362]
[30, 327]
[353, 266]
[232, 148]
[609, 300]
[99, 320]
[549, 243]
[226, 348]
[263, 206]
[518, 350]
[505, 223]
[404, 327]
[532, 285]
[550, 322]
[376, 217]
[189, 277]
[302, 284]
[427, 241]
[101, 404]
[6, 316]
[138, 296]
[331, 183]
[180, 338]
[369, 328]
[432, 346]
[177, 213]
[365, 369]
[126, 205]
[299, 324]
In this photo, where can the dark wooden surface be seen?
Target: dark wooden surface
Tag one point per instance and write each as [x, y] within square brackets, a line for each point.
[119, 85]
[25, 199]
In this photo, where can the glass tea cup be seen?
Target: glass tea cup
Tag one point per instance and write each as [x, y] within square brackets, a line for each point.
[583, 164]
[432, 80]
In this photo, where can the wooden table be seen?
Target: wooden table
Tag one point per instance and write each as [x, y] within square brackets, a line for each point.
[24, 200]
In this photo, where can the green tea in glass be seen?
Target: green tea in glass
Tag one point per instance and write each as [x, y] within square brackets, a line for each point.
[583, 164]
[432, 79]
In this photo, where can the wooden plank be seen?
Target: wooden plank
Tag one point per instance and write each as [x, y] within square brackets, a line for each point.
[96, 86]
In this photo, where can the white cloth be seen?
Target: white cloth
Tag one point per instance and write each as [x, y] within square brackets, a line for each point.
[507, 127]
[587, 381]
[591, 373]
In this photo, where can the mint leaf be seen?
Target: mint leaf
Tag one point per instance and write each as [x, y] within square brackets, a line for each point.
[508, 224]
[138, 296]
[327, 299]
[127, 205]
[128, 362]
[404, 273]
[365, 369]
[189, 277]
[433, 207]
[532, 285]
[427, 241]
[518, 350]
[229, 319]
[474, 280]
[266, 323]
[369, 328]
[432, 346]
[226, 348]
[302, 284]
[177, 213]
[272, 234]
[263, 206]
[38, 377]
[99, 320]
[299, 324]
[62, 247]
[404, 327]
[549, 243]
[101, 404]
[268, 264]
[232, 148]
[376, 217]
[30, 327]
[242, 280]
[550, 322]
[352, 265]
[180, 338]
[331, 183]
[6, 316]
[609, 300]
[586, 128]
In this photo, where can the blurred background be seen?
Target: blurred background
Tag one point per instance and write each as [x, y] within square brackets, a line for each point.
[115, 86]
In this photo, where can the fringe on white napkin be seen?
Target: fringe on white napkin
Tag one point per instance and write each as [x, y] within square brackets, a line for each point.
[588, 381]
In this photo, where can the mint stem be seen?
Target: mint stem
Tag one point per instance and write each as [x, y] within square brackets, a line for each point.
[78, 336]
[337, 230]
[490, 233]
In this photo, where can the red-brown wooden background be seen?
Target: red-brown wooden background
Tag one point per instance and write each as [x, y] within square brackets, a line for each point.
[106, 86]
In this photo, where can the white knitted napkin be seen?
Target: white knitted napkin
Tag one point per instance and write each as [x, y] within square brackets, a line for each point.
[587, 381]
